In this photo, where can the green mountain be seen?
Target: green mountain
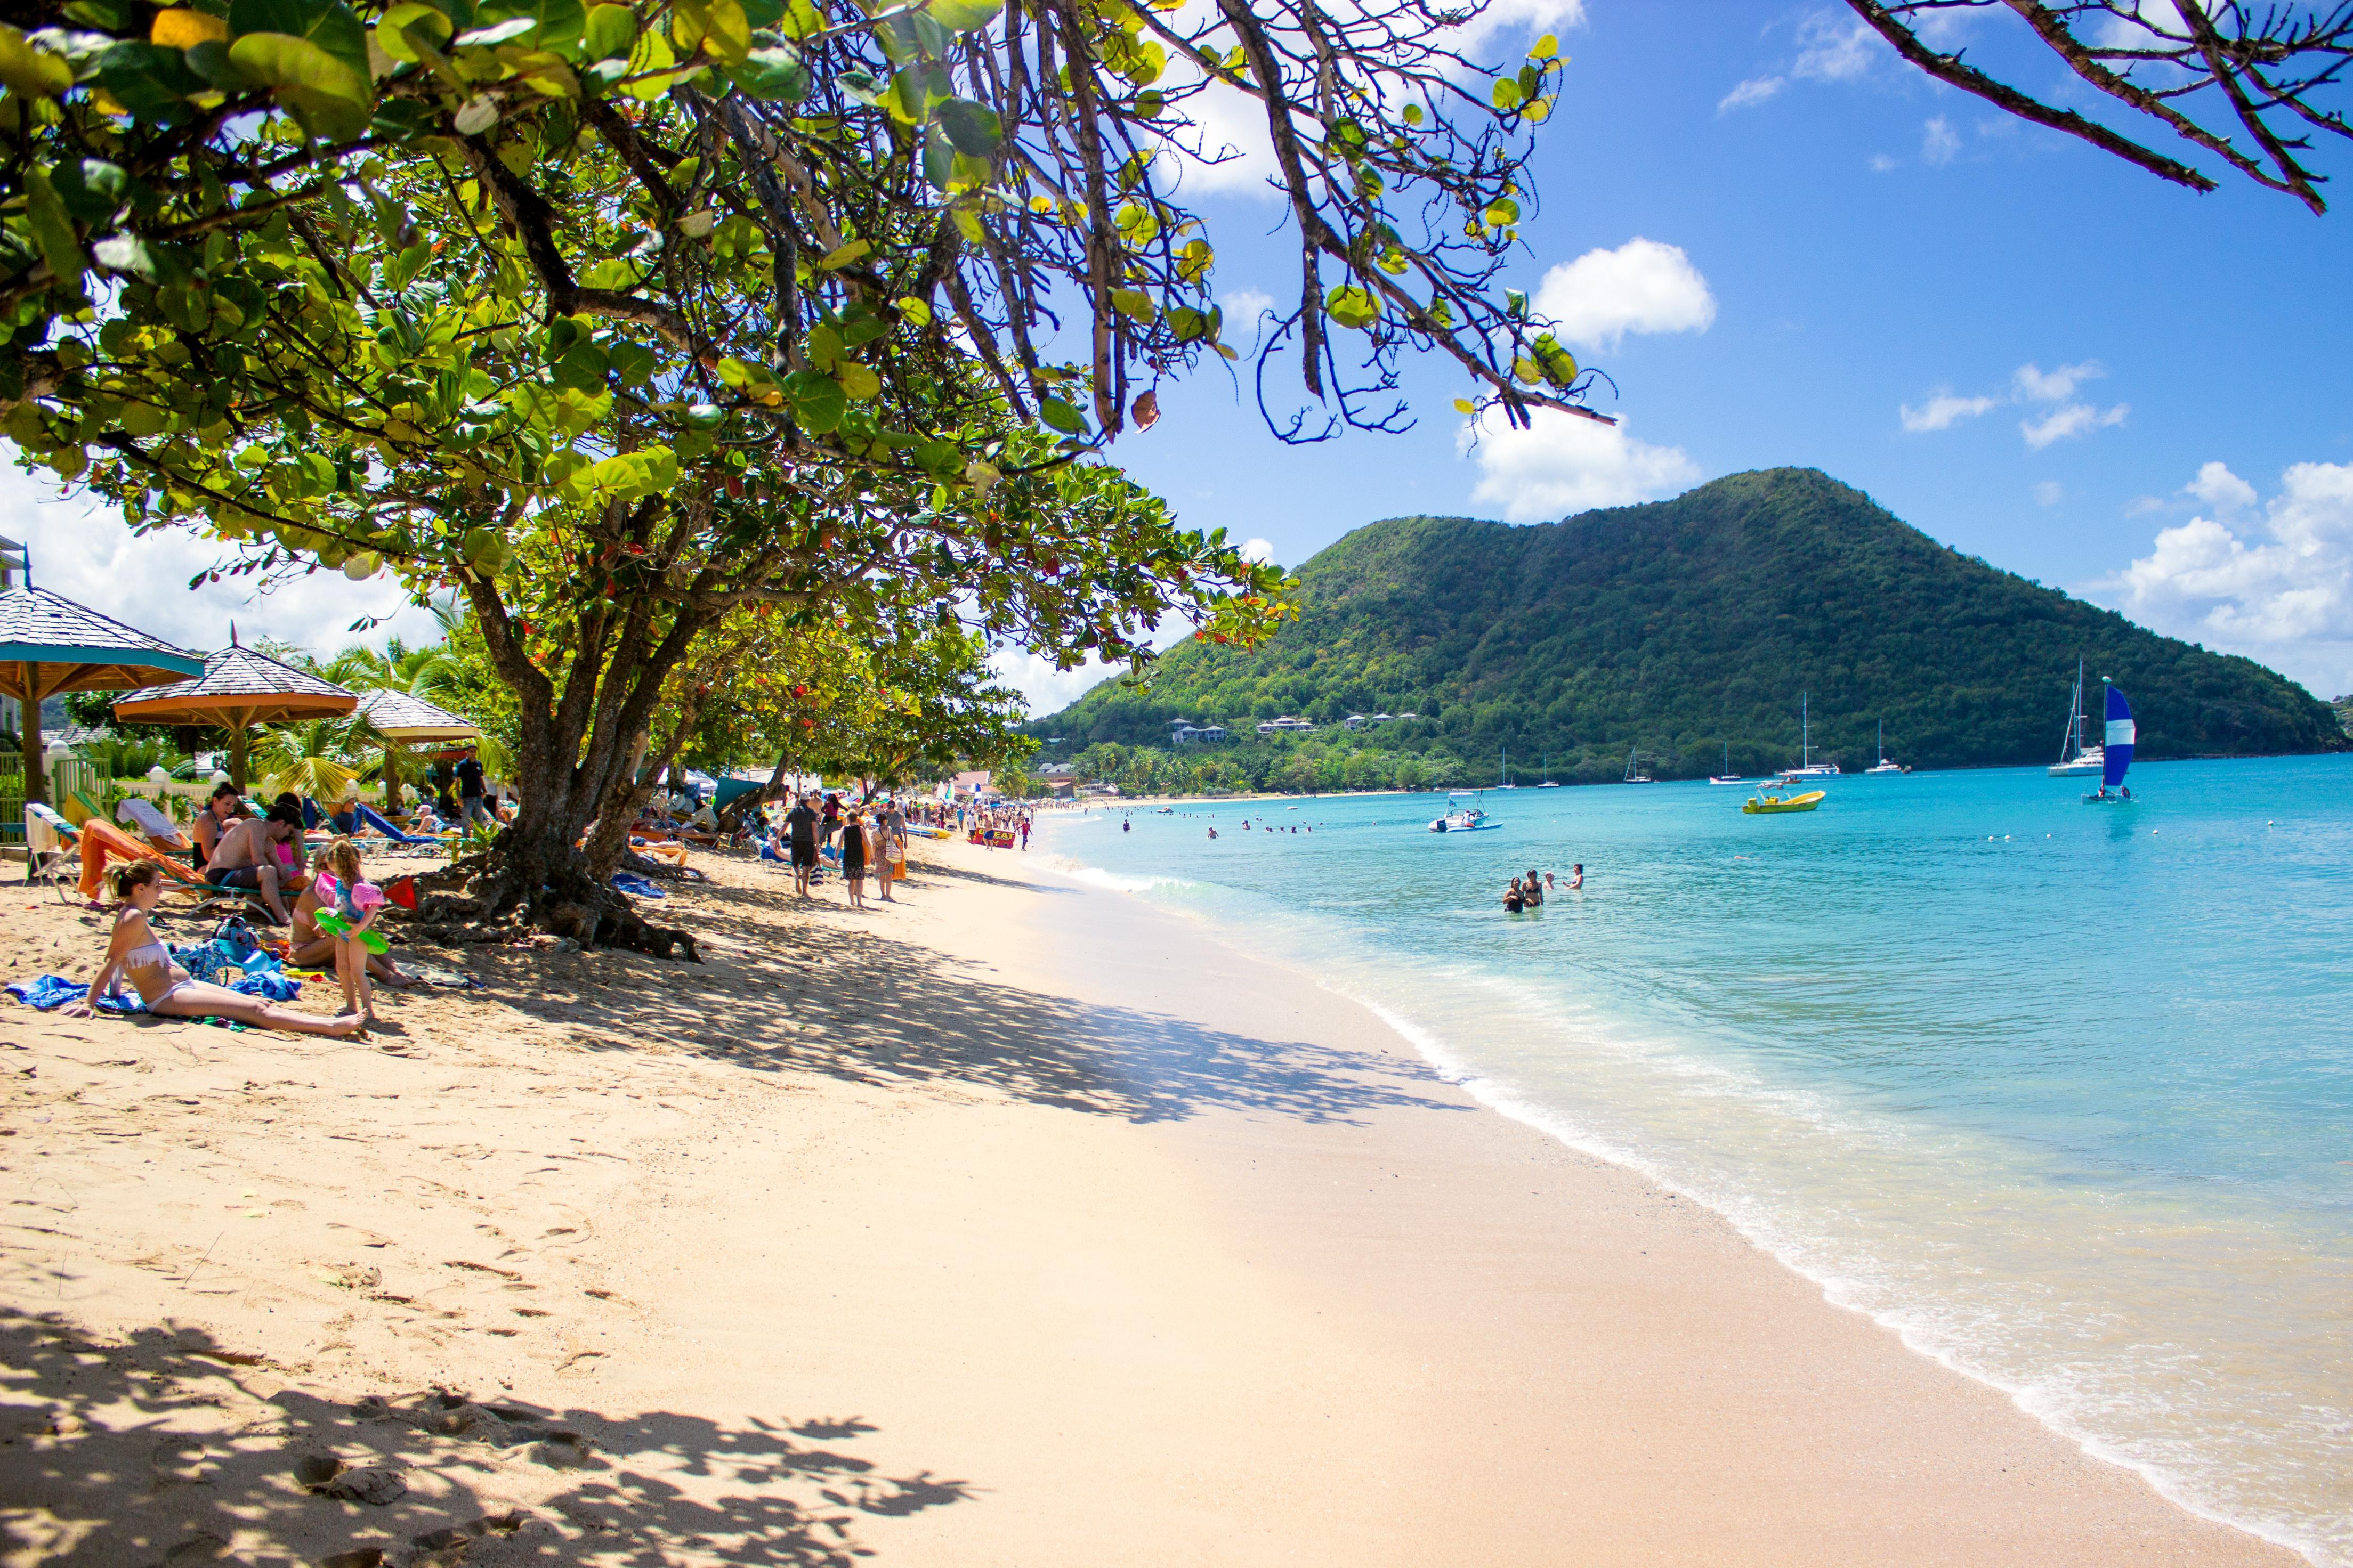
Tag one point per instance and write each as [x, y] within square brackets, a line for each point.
[1686, 625]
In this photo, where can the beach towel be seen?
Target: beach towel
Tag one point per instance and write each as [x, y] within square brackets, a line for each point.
[55, 991]
[637, 886]
[101, 841]
[139, 812]
[371, 817]
[443, 978]
[268, 986]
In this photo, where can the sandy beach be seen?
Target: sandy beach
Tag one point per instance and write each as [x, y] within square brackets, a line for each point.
[1012, 1223]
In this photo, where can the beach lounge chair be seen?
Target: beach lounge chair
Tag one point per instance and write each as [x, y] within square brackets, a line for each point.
[145, 818]
[103, 841]
[52, 849]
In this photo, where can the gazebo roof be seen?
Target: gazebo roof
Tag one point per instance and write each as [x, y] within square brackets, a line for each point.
[240, 687]
[398, 716]
[49, 644]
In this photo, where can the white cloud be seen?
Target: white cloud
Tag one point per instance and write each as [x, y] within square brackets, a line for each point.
[2035, 386]
[1942, 411]
[2070, 420]
[1641, 287]
[1830, 47]
[1244, 306]
[83, 549]
[1749, 93]
[1256, 550]
[2048, 493]
[1045, 690]
[1561, 463]
[2220, 489]
[1881, 163]
[1939, 143]
[2287, 599]
[2029, 384]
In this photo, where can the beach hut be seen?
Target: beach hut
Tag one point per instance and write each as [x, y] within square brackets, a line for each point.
[48, 644]
[408, 720]
[240, 687]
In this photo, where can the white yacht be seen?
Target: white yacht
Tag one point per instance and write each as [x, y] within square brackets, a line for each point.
[2074, 757]
[1883, 765]
[1807, 767]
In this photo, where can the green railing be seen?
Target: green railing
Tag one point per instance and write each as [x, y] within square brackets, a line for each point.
[12, 797]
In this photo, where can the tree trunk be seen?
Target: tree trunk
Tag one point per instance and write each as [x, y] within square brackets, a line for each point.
[240, 749]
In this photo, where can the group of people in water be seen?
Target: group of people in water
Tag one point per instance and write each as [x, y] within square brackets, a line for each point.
[1528, 892]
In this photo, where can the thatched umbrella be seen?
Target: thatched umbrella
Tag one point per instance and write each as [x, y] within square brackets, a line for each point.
[240, 688]
[49, 644]
[399, 716]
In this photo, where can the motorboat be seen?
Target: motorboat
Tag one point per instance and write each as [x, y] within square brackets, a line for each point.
[2121, 735]
[1775, 798]
[1470, 819]
[2076, 758]
[1883, 765]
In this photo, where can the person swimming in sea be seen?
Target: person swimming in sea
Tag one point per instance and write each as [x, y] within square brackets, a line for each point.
[1575, 877]
[1532, 891]
[1514, 902]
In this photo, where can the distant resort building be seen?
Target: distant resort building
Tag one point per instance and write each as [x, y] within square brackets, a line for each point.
[1185, 733]
[1286, 725]
[1367, 721]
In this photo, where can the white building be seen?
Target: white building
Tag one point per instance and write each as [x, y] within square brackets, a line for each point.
[1286, 725]
[1185, 733]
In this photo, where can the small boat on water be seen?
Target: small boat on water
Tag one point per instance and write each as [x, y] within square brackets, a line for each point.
[2074, 757]
[1774, 798]
[1634, 774]
[1883, 766]
[1505, 765]
[1549, 781]
[1470, 819]
[2121, 735]
[1807, 767]
[1727, 776]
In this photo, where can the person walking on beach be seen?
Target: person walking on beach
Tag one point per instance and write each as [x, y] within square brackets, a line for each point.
[801, 829]
[471, 790]
[853, 859]
[1025, 830]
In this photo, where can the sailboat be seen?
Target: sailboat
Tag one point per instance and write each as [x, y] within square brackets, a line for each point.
[2074, 757]
[2120, 734]
[1883, 765]
[1727, 775]
[1807, 767]
[1548, 783]
[1506, 765]
[1634, 774]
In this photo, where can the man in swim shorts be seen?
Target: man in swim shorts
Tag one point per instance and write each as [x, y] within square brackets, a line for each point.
[247, 856]
[801, 827]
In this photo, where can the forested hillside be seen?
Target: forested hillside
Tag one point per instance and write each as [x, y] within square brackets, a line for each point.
[1686, 625]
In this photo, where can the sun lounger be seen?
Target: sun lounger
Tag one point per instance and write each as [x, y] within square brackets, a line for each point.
[103, 841]
[139, 813]
[52, 848]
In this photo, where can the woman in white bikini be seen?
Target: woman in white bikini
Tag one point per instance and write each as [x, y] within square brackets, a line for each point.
[135, 955]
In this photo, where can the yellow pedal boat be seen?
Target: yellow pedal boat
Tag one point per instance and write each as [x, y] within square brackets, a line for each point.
[1766, 801]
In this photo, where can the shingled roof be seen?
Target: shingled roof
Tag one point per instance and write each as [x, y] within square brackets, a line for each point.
[48, 644]
[397, 716]
[240, 686]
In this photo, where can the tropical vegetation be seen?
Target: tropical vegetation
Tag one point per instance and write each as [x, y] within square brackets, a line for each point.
[1686, 629]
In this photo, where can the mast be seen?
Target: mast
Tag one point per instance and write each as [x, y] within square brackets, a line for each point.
[1883, 740]
[1805, 733]
[2072, 746]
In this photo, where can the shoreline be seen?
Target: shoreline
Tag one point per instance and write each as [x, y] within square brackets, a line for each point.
[1002, 1225]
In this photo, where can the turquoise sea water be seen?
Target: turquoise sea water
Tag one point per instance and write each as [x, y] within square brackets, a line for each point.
[2063, 1092]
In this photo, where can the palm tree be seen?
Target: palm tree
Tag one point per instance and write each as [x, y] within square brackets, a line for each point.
[316, 759]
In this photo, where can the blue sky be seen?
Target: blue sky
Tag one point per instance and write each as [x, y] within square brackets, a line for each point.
[1855, 241]
[1869, 241]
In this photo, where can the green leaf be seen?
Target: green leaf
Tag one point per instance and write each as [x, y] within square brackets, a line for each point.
[1500, 212]
[818, 401]
[974, 128]
[53, 230]
[555, 23]
[151, 81]
[496, 33]
[611, 32]
[427, 23]
[1349, 305]
[858, 380]
[1134, 304]
[918, 312]
[1546, 47]
[633, 362]
[583, 366]
[92, 189]
[856, 251]
[328, 25]
[773, 69]
[963, 16]
[329, 99]
[1507, 96]
[29, 72]
[1062, 415]
[125, 253]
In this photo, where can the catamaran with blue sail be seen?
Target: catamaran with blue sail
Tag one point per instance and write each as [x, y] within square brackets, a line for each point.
[2118, 755]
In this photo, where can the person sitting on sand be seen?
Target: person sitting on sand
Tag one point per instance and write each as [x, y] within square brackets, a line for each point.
[308, 947]
[136, 954]
[225, 807]
[1531, 890]
[247, 856]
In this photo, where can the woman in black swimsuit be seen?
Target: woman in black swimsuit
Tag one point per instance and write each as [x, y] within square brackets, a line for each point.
[853, 859]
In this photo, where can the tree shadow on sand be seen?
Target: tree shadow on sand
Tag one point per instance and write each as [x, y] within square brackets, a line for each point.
[164, 1448]
[819, 992]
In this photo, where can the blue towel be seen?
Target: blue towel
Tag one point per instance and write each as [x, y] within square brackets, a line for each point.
[55, 991]
[268, 986]
[637, 885]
